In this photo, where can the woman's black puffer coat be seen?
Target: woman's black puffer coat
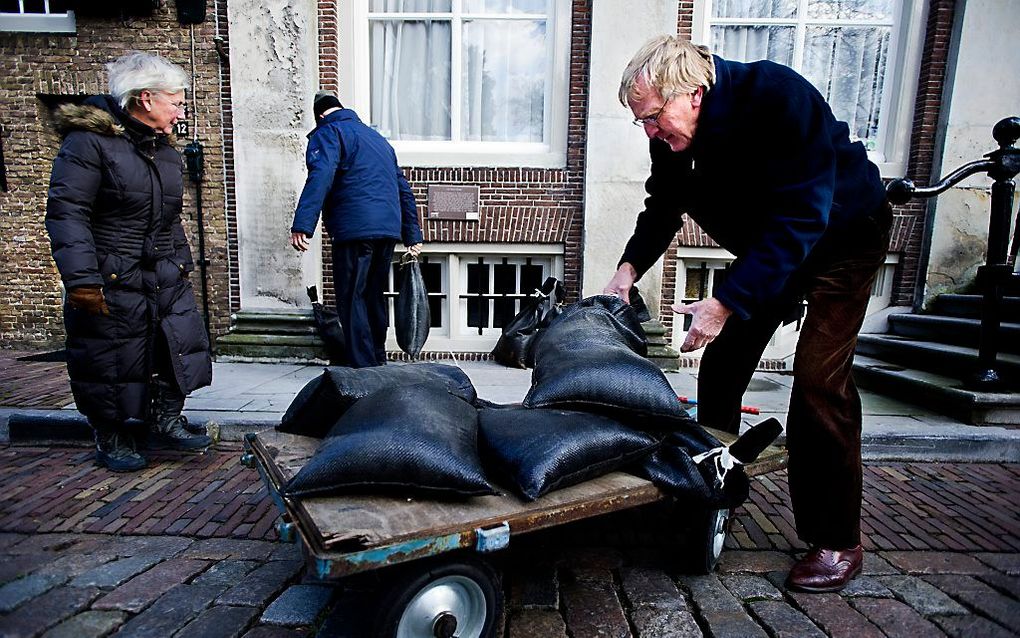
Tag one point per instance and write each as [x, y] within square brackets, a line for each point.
[113, 217]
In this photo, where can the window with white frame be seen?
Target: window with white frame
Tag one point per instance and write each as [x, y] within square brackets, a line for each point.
[475, 290]
[862, 55]
[462, 82]
[701, 270]
[39, 16]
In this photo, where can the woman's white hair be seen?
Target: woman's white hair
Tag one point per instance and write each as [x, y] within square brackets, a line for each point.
[669, 64]
[136, 71]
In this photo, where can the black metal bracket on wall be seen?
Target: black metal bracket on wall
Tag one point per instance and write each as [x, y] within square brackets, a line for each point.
[1001, 165]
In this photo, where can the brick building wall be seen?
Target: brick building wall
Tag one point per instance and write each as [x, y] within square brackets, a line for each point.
[73, 64]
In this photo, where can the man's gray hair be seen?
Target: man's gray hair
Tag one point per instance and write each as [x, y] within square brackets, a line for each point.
[136, 71]
[669, 64]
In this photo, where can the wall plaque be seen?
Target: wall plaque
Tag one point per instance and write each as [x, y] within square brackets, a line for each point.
[448, 201]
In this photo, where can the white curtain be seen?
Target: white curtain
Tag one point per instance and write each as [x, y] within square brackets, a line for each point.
[503, 80]
[846, 64]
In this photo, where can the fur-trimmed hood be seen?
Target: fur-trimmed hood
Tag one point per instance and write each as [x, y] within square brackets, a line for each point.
[102, 115]
[86, 117]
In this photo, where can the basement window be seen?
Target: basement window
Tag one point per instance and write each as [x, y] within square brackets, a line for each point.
[36, 16]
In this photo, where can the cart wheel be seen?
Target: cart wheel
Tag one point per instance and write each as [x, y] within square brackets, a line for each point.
[462, 598]
[707, 543]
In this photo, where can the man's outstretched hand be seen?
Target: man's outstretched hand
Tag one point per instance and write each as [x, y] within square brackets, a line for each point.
[708, 317]
[299, 241]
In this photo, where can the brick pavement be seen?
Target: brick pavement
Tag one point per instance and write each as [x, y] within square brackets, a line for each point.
[33, 384]
[187, 548]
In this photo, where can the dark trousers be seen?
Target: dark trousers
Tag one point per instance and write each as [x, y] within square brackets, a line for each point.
[823, 429]
[360, 270]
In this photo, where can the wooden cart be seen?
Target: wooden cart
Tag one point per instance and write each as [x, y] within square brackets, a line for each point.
[455, 592]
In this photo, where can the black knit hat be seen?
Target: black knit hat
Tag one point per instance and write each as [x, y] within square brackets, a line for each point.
[323, 102]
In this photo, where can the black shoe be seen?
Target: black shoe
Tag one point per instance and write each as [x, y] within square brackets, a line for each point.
[116, 452]
[171, 434]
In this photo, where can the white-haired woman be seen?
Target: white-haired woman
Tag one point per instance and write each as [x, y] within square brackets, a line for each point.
[136, 344]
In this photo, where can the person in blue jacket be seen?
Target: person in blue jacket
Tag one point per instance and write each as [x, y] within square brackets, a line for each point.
[367, 206]
[753, 153]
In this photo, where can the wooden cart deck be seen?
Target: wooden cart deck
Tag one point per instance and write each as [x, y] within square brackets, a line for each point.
[352, 533]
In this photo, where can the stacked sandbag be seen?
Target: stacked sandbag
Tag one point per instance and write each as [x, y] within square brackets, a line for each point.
[326, 398]
[592, 358]
[420, 439]
[536, 451]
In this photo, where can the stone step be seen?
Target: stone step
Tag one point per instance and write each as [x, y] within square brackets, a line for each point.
[970, 306]
[953, 361]
[659, 351]
[938, 392]
[959, 331]
[272, 336]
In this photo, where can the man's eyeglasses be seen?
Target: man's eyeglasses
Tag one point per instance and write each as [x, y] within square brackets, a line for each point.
[653, 119]
[180, 106]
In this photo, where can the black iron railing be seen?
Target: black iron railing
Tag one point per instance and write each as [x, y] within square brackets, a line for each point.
[1002, 165]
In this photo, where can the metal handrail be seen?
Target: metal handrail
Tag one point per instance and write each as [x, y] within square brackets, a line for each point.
[1002, 165]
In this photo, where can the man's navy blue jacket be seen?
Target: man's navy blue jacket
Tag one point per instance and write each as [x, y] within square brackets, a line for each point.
[770, 173]
[354, 179]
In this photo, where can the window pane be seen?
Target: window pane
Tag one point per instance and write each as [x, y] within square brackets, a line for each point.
[504, 80]
[410, 6]
[532, 278]
[506, 6]
[35, 6]
[754, 8]
[58, 6]
[410, 78]
[478, 279]
[504, 278]
[851, 9]
[750, 43]
[696, 286]
[9, 6]
[848, 65]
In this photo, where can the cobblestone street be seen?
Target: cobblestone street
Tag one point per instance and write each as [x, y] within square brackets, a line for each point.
[187, 547]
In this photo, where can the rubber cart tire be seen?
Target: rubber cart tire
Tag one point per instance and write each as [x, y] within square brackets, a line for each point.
[707, 542]
[460, 597]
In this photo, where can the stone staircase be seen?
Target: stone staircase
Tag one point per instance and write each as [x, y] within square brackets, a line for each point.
[272, 336]
[923, 359]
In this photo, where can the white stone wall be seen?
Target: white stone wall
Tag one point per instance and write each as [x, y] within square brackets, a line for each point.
[617, 152]
[273, 75]
[985, 89]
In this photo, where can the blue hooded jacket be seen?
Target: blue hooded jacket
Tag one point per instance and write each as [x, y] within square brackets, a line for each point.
[770, 173]
[354, 179]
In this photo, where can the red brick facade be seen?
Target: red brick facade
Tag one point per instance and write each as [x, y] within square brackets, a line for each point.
[72, 64]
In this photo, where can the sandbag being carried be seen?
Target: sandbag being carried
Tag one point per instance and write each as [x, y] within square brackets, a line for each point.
[411, 308]
[325, 398]
[515, 348]
[592, 358]
[327, 323]
[537, 451]
[418, 439]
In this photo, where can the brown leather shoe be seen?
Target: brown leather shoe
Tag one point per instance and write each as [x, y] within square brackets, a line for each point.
[825, 570]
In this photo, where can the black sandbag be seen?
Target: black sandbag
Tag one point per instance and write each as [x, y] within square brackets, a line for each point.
[592, 357]
[411, 309]
[327, 323]
[325, 398]
[514, 348]
[537, 451]
[706, 484]
[417, 439]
